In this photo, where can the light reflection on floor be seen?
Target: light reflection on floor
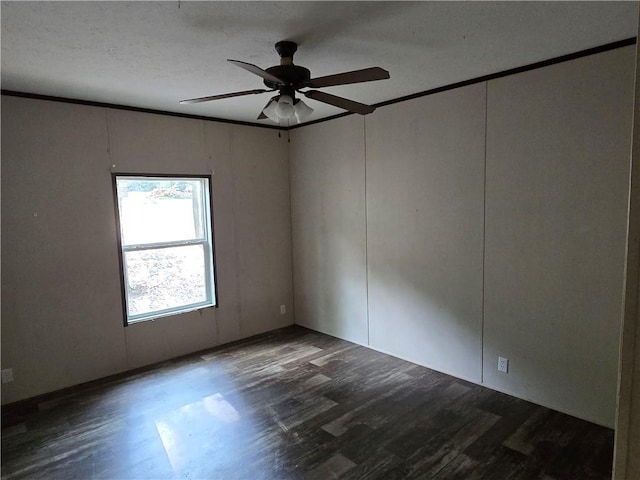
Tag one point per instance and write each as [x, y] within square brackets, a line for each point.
[206, 428]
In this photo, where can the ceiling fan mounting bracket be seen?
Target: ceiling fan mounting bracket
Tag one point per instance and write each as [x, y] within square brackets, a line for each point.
[286, 49]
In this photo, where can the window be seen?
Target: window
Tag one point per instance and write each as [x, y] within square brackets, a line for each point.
[166, 244]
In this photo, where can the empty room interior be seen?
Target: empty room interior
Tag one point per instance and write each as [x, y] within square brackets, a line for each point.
[286, 240]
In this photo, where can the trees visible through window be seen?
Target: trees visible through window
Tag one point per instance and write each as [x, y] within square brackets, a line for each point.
[166, 244]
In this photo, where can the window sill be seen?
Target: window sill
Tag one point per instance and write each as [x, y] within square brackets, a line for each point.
[172, 313]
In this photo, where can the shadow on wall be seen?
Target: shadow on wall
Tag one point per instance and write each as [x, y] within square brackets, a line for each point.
[426, 316]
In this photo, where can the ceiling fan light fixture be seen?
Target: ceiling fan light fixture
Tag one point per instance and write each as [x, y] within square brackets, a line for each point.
[302, 110]
[284, 107]
[270, 110]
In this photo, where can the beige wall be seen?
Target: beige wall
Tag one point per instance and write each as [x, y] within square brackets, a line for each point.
[262, 229]
[328, 224]
[545, 288]
[556, 209]
[627, 450]
[61, 302]
[425, 177]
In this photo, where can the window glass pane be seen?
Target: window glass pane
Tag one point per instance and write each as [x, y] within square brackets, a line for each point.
[165, 278]
[160, 210]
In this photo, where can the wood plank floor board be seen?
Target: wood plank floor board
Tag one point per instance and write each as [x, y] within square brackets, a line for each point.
[445, 444]
[295, 404]
[373, 466]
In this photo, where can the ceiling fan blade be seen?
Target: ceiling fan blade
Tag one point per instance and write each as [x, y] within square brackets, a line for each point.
[249, 67]
[357, 76]
[224, 95]
[339, 102]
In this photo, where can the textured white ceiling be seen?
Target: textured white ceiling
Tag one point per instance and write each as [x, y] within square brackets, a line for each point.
[153, 54]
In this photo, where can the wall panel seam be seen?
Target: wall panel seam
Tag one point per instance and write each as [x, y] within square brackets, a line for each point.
[289, 169]
[112, 168]
[236, 253]
[484, 227]
[208, 161]
[366, 228]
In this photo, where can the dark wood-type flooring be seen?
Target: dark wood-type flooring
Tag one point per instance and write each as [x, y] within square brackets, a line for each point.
[295, 404]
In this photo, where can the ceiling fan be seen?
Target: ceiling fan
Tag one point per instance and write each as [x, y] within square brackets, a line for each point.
[287, 79]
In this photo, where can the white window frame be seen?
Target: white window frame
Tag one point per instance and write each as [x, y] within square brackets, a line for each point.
[207, 241]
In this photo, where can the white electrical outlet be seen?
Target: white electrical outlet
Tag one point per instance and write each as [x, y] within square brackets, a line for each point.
[7, 375]
[503, 365]
[283, 309]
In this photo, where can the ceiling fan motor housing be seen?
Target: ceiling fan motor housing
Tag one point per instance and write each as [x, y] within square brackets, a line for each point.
[294, 75]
